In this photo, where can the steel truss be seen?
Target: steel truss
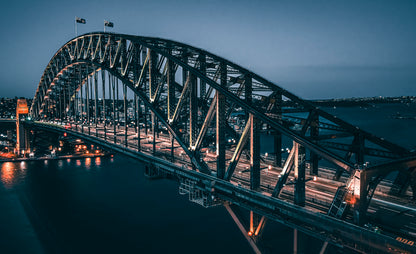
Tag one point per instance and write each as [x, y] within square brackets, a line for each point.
[196, 95]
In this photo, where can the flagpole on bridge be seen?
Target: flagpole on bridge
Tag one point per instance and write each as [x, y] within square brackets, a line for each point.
[78, 20]
[108, 23]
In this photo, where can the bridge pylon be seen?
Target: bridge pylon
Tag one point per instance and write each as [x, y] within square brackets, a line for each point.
[22, 134]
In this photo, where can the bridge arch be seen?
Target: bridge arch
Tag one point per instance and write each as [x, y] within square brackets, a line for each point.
[172, 78]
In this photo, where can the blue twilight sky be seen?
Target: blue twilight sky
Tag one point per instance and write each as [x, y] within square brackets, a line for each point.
[315, 49]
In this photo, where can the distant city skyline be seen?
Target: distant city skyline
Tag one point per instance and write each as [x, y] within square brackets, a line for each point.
[315, 49]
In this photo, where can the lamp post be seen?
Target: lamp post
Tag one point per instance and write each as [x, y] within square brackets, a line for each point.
[108, 23]
[78, 20]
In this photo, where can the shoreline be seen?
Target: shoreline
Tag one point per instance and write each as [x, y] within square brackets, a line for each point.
[54, 158]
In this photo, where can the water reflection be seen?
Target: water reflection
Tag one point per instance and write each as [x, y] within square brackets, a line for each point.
[88, 163]
[78, 163]
[7, 174]
[98, 161]
[23, 165]
[12, 173]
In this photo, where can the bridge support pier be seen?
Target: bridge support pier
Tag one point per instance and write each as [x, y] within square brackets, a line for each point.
[22, 134]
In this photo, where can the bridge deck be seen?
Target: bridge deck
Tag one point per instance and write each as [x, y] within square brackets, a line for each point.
[318, 198]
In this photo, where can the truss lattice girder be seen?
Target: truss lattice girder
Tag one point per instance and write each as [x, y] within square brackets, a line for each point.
[110, 52]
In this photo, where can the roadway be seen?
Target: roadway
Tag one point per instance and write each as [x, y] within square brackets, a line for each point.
[393, 215]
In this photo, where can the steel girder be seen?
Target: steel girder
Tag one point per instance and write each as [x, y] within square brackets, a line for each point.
[148, 66]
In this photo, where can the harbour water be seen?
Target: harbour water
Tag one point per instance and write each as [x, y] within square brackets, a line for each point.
[106, 205]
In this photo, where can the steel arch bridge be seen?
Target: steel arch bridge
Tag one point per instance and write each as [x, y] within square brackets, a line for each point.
[203, 117]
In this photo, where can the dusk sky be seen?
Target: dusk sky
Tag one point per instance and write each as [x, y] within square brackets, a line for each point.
[315, 49]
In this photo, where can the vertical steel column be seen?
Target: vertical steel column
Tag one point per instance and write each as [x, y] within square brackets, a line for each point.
[220, 124]
[145, 119]
[65, 107]
[172, 154]
[254, 137]
[248, 89]
[152, 74]
[112, 84]
[60, 105]
[184, 56]
[138, 123]
[254, 153]
[203, 70]
[277, 135]
[300, 162]
[125, 112]
[96, 102]
[87, 94]
[82, 100]
[104, 117]
[135, 111]
[76, 105]
[171, 90]
[154, 122]
[115, 80]
[184, 72]
[193, 110]
[362, 203]
[314, 158]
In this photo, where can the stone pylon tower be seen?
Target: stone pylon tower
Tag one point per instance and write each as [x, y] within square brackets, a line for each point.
[22, 135]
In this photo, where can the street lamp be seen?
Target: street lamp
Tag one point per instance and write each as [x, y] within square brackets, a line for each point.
[78, 20]
[108, 23]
